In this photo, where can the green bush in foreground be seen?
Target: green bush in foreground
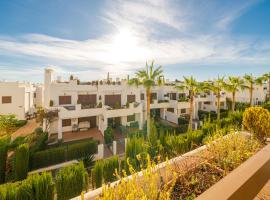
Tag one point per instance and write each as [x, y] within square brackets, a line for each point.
[97, 174]
[3, 159]
[21, 161]
[36, 187]
[71, 181]
[109, 167]
[108, 135]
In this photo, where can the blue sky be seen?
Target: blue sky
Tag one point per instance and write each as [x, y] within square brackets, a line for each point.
[88, 38]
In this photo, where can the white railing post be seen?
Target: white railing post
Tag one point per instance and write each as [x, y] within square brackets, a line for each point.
[114, 147]
[100, 153]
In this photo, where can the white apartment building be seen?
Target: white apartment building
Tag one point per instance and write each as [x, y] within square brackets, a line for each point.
[97, 104]
[16, 98]
[259, 94]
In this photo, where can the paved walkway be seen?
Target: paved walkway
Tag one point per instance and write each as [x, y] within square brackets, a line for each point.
[27, 129]
[264, 194]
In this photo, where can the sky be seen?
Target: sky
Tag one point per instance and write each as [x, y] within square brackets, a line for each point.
[88, 38]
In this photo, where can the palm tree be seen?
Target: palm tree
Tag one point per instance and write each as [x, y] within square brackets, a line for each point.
[233, 85]
[148, 78]
[216, 87]
[193, 87]
[266, 77]
[250, 82]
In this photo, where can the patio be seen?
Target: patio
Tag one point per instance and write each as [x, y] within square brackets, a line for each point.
[93, 133]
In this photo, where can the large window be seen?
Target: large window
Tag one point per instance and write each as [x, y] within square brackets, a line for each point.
[66, 122]
[170, 110]
[183, 111]
[142, 96]
[6, 99]
[64, 100]
[131, 98]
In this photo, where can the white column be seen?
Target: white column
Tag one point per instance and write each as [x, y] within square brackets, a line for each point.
[44, 125]
[60, 135]
[114, 147]
[100, 153]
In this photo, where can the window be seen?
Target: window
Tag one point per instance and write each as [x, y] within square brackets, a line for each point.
[173, 96]
[131, 118]
[207, 102]
[130, 98]
[170, 110]
[183, 110]
[64, 100]
[66, 122]
[35, 95]
[142, 96]
[153, 96]
[6, 99]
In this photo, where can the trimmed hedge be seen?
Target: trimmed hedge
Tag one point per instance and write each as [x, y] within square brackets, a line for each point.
[71, 181]
[40, 144]
[61, 154]
[3, 159]
[81, 150]
[48, 157]
[38, 187]
[21, 162]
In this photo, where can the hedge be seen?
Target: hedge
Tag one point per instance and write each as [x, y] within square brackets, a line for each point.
[97, 174]
[48, 157]
[38, 187]
[21, 161]
[71, 181]
[81, 150]
[3, 159]
[61, 154]
[40, 144]
[108, 135]
[109, 167]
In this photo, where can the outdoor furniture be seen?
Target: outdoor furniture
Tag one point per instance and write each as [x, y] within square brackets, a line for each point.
[84, 125]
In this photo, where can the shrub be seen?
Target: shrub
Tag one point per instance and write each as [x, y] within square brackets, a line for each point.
[108, 135]
[149, 186]
[71, 181]
[182, 120]
[195, 138]
[81, 150]
[38, 130]
[97, 174]
[40, 143]
[231, 151]
[3, 158]
[134, 147]
[21, 161]
[241, 106]
[20, 123]
[15, 143]
[38, 187]
[257, 121]
[134, 124]
[267, 105]
[109, 167]
[48, 157]
[175, 145]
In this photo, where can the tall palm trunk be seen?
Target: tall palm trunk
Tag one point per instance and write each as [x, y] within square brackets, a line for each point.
[250, 94]
[233, 101]
[148, 94]
[191, 101]
[218, 107]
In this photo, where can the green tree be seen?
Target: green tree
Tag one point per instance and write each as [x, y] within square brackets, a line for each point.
[3, 157]
[47, 116]
[216, 87]
[148, 78]
[266, 77]
[7, 124]
[21, 161]
[251, 81]
[257, 121]
[193, 87]
[233, 85]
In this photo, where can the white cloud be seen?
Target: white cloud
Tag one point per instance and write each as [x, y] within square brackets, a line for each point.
[134, 40]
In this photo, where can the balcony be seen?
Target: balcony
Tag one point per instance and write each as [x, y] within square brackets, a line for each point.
[123, 110]
[76, 111]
